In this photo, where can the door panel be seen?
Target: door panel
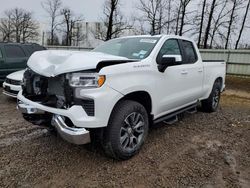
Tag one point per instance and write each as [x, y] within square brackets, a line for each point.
[3, 66]
[177, 86]
[181, 84]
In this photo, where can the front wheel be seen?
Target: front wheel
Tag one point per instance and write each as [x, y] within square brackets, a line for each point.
[211, 104]
[127, 130]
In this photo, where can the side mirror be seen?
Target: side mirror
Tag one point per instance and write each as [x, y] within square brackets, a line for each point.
[169, 60]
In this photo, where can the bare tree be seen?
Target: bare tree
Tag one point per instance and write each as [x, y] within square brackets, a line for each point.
[212, 8]
[219, 20]
[6, 27]
[114, 22]
[17, 21]
[178, 18]
[139, 26]
[28, 27]
[231, 21]
[201, 22]
[69, 26]
[184, 4]
[52, 7]
[19, 25]
[169, 16]
[181, 16]
[154, 14]
[242, 25]
[110, 11]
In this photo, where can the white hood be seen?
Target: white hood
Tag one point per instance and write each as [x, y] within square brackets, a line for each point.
[16, 75]
[51, 63]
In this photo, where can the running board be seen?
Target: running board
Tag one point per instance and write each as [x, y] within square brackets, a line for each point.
[173, 114]
[192, 111]
[171, 120]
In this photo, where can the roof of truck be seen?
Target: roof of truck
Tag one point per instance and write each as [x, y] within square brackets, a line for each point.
[159, 36]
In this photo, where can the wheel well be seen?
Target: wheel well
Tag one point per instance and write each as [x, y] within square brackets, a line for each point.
[220, 81]
[141, 97]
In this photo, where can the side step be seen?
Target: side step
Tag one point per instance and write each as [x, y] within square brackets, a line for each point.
[171, 120]
[192, 111]
[172, 117]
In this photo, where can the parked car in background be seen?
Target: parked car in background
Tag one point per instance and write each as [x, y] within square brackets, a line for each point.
[12, 84]
[14, 56]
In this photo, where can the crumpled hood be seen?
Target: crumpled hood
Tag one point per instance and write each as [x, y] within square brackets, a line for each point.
[51, 63]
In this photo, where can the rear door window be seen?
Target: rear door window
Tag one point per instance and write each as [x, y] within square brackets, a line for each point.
[14, 51]
[189, 51]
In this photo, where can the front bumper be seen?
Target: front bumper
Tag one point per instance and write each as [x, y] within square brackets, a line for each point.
[73, 135]
[11, 90]
[77, 133]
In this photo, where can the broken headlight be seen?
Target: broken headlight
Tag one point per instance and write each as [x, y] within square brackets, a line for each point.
[86, 80]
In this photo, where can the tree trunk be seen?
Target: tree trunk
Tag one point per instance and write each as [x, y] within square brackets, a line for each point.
[209, 24]
[242, 25]
[230, 24]
[182, 17]
[169, 14]
[110, 24]
[177, 20]
[52, 34]
[217, 24]
[201, 24]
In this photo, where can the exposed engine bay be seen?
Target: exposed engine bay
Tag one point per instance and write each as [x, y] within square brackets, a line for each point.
[52, 92]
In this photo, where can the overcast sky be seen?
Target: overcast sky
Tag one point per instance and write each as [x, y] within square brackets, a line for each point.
[90, 9]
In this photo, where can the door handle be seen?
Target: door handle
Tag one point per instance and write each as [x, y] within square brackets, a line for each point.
[184, 72]
[200, 70]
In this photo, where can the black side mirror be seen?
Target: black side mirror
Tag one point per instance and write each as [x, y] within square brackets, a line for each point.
[169, 60]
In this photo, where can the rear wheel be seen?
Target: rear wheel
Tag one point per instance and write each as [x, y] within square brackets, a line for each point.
[127, 130]
[211, 104]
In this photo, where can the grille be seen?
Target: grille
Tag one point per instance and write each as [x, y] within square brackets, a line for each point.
[89, 107]
[8, 90]
[13, 82]
[87, 104]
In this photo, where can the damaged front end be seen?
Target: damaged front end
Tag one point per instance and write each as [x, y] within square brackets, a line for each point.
[54, 93]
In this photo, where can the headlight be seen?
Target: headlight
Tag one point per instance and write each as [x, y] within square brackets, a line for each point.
[86, 80]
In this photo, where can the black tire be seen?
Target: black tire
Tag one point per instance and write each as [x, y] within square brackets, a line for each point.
[126, 131]
[211, 104]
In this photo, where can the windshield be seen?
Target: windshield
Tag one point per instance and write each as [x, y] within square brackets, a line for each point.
[131, 48]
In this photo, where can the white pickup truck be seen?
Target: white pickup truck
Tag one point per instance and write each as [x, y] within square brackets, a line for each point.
[117, 90]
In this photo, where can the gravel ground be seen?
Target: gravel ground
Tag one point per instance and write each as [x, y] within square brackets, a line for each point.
[202, 150]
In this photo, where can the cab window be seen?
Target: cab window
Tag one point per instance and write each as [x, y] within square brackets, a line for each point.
[170, 47]
[190, 53]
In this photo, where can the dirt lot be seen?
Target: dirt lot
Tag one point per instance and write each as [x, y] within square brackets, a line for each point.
[202, 150]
